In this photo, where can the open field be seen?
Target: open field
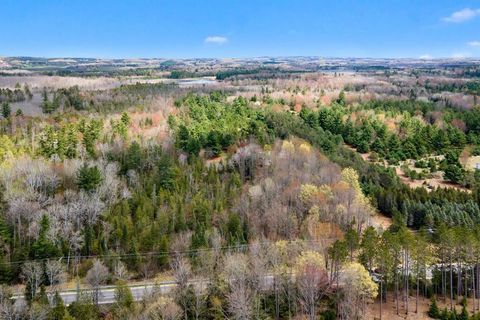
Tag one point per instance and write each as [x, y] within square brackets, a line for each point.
[57, 82]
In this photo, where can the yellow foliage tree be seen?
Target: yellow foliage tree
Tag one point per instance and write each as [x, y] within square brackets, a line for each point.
[358, 289]
[305, 148]
[358, 278]
[326, 190]
[309, 258]
[307, 191]
[288, 146]
[350, 176]
[7, 148]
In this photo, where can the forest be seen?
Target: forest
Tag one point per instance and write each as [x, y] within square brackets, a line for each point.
[228, 203]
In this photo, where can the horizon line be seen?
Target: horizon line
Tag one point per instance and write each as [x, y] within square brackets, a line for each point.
[240, 58]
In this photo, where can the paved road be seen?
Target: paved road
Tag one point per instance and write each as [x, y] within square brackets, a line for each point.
[107, 293]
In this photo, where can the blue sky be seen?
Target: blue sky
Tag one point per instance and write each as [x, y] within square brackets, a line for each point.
[239, 28]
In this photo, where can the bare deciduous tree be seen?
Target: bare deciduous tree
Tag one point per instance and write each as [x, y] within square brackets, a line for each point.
[32, 272]
[55, 272]
[120, 271]
[182, 273]
[199, 296]
[7, 310]
[96, 276]
[162, 308]
[38, 312]
[240, 295]
[240, 300]
[312, 282]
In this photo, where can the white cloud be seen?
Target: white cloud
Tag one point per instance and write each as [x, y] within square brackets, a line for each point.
[462, 15]
[474, 43]
[216, 39]
[426, 57]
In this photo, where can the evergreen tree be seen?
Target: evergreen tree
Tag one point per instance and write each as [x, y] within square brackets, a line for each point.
[166, 173]
[70, 139]
[91, 133]
[341, 98]
[125, 119]
[445, 314]
[234, 230]
[83, 308]
[6, 110]
[51, 143]
[43, 247]
[41, 297]
[163, 249]
[454, 173]
[89, 178]
[58, 311]
[369, 247]
[453, 315]
[353, 240]
[133, 157]
[463, 314]
[123, 297]
[433, 311]
[47, 106]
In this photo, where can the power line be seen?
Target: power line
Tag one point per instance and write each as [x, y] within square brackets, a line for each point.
[156, 253]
